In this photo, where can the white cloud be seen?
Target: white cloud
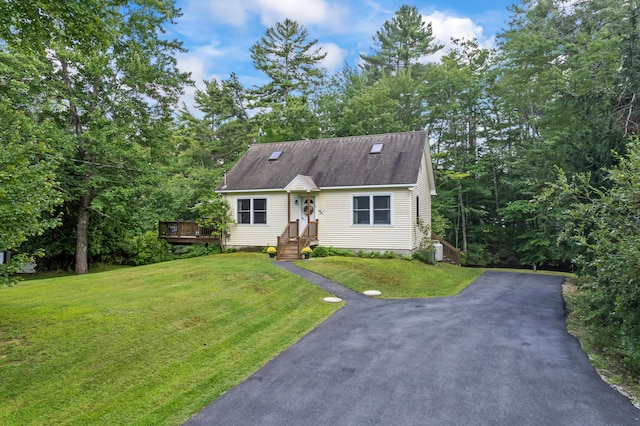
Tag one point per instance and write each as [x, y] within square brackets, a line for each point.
[238, 12]
[208, 51]
[199, 18]
[445, 27]
[198, 69]
[305, 12]
[228, 11]
[215, 12]
[335, 56]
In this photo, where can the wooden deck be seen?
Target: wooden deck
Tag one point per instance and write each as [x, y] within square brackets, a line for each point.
[186, 232]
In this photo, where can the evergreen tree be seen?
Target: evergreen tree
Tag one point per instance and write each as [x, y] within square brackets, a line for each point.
[290, 62]
[401, 42]
[206, 144]
[225, 127]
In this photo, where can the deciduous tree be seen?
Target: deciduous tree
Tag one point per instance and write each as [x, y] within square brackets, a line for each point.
[28, 184]
[115, 82]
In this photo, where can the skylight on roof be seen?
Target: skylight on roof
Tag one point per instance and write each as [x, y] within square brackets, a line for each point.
[376, 148]
[275, 155]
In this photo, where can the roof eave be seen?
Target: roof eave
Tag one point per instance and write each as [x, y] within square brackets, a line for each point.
[324, 188]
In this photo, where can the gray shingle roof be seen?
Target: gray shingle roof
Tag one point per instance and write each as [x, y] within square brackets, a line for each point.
[334, 162]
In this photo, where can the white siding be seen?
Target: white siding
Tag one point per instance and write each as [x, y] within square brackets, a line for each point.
[243, 235]
[423, 192]
[335, 221]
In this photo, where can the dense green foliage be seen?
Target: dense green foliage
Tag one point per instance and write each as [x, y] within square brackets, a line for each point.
[605, 223]
[109, 82]
[27, 184]
[602, 351]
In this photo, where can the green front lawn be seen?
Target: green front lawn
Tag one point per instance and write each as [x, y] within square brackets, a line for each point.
[145, 345]
[155, 344]
[395, 278]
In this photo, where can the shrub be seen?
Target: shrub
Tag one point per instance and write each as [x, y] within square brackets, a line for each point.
[320, 251]
[605, 225]
[196, 250]
[147, 248]
[340, 252]
[361, 253]
[425, 254]
[478, 255]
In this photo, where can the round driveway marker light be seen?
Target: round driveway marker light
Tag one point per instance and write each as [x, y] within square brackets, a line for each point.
[332, 299]
[372, 292]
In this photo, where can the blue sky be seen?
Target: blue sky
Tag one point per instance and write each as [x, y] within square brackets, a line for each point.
[218, 33]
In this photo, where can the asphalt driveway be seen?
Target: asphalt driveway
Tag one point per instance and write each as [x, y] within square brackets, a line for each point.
[496, 354]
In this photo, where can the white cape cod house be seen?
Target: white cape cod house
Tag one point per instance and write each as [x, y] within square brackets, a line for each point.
[360, 193]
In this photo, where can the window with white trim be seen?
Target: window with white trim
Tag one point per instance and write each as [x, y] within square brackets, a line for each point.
[371, 209]
[252, 211]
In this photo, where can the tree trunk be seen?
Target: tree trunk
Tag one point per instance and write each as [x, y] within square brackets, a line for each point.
[82, 236]
[495, 189]
[463, 218]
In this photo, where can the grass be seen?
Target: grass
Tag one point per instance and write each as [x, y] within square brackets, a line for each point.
[95, 268]
[570, 275]
[146, 345]
[395, 278]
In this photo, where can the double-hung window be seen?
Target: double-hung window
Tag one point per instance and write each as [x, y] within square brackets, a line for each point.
[371, 209]
[252, 211]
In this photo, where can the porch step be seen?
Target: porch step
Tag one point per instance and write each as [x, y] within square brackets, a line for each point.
[290, 253]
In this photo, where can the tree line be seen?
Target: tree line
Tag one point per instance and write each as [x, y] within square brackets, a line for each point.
[533, 140]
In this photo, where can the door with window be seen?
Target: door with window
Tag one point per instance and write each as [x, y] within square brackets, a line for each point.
[302, 202]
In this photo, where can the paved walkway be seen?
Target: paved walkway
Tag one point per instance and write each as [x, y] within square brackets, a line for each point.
[496, 354]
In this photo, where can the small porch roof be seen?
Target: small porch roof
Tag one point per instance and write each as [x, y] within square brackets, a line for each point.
[301, 183]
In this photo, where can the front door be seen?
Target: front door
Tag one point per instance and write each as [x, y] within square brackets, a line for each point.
[303, 212]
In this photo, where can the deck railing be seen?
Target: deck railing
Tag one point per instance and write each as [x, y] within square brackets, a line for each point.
[449, 252]
[301, 240]
[309, 234]
[290, 232]
[185, 229]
